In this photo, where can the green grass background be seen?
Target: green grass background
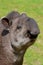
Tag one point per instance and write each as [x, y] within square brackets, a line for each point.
[34, 9]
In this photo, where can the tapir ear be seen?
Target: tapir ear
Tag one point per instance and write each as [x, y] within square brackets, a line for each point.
[6, 22]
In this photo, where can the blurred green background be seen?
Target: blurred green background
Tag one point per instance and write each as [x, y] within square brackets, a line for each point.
[34, 9]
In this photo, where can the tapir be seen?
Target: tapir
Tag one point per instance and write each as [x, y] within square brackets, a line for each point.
[17, 33]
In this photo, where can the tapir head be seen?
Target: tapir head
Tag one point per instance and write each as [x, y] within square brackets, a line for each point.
[23, 31]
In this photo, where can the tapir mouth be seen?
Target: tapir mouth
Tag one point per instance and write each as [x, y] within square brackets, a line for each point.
[31, 36]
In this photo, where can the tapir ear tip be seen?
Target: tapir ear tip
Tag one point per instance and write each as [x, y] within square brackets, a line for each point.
[6, 19]
[6, 22]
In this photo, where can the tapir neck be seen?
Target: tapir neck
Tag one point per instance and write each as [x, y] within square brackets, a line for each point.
[19, 57]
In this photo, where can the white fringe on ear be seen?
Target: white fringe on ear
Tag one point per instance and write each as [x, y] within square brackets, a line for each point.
[2, 17]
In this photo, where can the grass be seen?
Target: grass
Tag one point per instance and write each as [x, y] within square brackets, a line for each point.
[34, 9]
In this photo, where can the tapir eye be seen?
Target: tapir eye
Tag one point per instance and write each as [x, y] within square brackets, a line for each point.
[19, 27]
[4, 32]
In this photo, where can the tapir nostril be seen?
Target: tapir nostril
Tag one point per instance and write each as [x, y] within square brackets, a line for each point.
[33, 36]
